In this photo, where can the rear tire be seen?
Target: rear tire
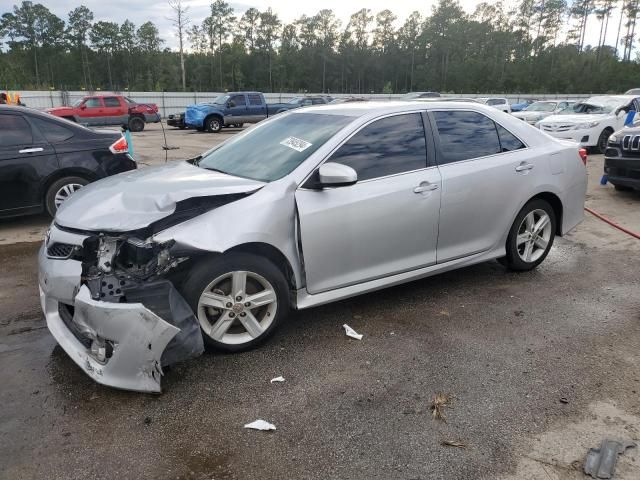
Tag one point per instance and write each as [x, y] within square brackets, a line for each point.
[136, 124]
[239, 299]
[60, 190]
[531, 236]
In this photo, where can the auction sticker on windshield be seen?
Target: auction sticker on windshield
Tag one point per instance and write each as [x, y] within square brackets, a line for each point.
[296, 143]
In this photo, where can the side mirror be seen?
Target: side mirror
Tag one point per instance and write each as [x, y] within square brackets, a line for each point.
[83, 106]
[336, 175]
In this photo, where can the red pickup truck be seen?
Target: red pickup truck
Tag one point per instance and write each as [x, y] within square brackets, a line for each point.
[109, 110]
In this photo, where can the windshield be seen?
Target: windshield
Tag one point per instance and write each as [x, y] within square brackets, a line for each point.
[541, 107]
[273, 149]
[222, 99]
[601, 105]
[295, 100]
[77, 103]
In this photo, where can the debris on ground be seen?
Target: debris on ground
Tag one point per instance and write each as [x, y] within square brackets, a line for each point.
[438, 404]
[277, 379]
[564, 400]
[260, 425]
[351, 332]
[453, 443]
[601, 462]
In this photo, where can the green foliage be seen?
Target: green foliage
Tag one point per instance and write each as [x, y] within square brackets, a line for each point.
[535, 46]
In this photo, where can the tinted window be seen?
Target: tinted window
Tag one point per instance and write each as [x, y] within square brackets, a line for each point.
[465, 135]
[53, 132]
[385, 147]
[93, 103]
[495, 101]
[238, 100]
[317, 101]
[111, 102]
[255, 100]
[508, 141]
[306, 101]
[15, 131]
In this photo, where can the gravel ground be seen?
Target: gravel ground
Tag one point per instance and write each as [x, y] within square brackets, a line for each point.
[508, 346]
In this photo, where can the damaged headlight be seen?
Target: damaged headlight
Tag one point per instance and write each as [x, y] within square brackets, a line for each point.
[113, 264]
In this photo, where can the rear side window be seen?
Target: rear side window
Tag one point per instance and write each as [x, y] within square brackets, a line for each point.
[465, 135]
[238, 100]
[52, 131]
[255, 99]
[15, 131]
[317, 101]
[111, 102]
[385, 147]
[508, 141]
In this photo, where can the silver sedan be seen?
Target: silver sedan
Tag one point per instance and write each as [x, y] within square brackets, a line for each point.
[141, 270]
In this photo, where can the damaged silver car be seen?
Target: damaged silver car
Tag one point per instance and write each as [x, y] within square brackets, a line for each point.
[142, 270]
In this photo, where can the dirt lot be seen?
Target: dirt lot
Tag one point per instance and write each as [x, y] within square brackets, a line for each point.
[543, 365]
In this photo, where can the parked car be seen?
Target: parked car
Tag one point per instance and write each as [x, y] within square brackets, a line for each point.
[540, 110]
[448, 99]
[100, 110]
[176, 120]
[336, 101]
[633, 91]
[44, 159]
[307, 208]
[237, 108]
[416, 95]
[590, 122]
[622, 158]
[497, 103]
[517, 107]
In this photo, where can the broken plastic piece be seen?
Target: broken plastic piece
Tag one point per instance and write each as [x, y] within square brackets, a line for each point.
[351, 332]
[260, 425]
[277, 379]
[601, 462]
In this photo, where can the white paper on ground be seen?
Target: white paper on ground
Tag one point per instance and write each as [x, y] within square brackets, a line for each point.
[277, 379]
[260, 425]
[351, 332]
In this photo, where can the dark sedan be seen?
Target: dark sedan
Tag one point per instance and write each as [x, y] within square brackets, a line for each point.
[44, 159]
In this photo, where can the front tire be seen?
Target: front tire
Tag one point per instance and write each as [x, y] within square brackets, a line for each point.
[60, 190]
[531, 236]
[213, 124]
[603, 139]
[239, 299]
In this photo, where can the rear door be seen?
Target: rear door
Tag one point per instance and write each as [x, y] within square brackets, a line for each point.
[26, 160]
[116, 111]
[384, 224]
[486, 171]
[236, 111]
[92, 111]
[256, 108]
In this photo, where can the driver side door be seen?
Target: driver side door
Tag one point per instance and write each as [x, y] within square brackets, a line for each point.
[384, 224]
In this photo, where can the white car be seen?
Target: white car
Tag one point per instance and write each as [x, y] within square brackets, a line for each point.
[540, 110]
[498, 103]
[590, 122]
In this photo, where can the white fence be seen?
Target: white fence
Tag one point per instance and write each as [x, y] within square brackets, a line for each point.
[174, 102]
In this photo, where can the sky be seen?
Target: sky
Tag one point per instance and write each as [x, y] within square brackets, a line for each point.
[158, 11]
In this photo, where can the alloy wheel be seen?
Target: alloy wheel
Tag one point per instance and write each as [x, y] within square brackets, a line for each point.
[534, 235]
[65, 192]
[237, 307]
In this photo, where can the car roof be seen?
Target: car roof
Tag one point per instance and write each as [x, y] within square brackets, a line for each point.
[376, 108]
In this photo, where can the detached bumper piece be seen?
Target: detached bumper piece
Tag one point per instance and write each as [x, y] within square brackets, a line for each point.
[130, 342]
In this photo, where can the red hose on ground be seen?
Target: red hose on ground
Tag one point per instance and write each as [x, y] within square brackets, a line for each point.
[613, 224]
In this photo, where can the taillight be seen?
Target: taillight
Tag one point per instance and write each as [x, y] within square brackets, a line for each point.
[119, 146]
[583, 155]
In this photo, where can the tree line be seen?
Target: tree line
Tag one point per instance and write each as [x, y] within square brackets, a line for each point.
[536, 46]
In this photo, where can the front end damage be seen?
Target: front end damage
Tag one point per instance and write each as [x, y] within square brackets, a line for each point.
[124, 320]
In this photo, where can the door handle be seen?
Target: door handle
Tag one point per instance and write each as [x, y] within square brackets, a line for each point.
[425, 187]
[523, 167]
[31, 150]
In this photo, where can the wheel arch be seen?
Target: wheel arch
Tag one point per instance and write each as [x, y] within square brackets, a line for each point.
[555, 202]
[210, 116]
[272, 254]
[66, 172]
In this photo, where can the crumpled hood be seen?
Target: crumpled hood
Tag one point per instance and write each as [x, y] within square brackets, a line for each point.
[135, 199]
[579, 118]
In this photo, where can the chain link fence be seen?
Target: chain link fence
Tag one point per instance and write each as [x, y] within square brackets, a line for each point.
[175, 102]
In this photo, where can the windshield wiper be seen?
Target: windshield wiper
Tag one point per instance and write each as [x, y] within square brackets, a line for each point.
[215, 170]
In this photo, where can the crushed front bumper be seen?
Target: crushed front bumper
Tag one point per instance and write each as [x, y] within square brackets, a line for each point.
[122, 345]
